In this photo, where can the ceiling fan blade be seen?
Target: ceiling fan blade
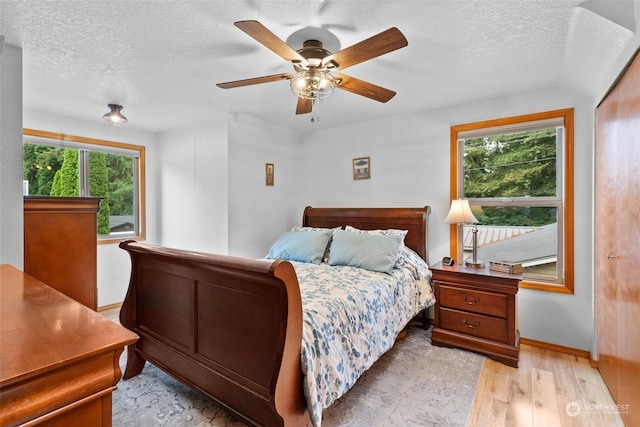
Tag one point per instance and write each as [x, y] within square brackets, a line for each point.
[304, 106]
[360, 87]
[255, 80]
[263, 35]
[385, 42]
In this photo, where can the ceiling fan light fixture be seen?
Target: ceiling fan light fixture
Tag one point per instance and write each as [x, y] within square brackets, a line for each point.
[312, 64]
[114, 116]
[313, 84]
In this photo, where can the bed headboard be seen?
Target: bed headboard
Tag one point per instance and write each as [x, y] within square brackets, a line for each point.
[414, 220]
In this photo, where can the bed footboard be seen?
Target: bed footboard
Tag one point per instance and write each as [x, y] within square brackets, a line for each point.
[229, 327]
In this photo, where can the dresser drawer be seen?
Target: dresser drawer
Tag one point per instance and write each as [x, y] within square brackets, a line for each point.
[487, 303]
[474, 324]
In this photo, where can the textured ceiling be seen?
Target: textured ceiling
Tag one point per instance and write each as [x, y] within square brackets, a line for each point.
[162, 59]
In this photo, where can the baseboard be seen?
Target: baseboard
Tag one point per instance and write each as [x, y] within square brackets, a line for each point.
[109, 307]
[560, 349]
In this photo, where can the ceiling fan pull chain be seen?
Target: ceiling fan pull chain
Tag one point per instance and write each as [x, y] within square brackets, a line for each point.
[315, 108]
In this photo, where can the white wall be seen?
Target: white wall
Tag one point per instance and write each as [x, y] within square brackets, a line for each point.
[410, 165]
[258, 213]
[192, 177]
[11, 210]
[114, 266]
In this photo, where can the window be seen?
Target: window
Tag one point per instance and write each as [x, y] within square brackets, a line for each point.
[517, 174]
[72, 166]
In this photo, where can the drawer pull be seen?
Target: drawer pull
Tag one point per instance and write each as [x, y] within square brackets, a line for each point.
[470, 325]
[473, 301]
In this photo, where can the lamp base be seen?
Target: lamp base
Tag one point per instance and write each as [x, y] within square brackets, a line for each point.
[471, 264]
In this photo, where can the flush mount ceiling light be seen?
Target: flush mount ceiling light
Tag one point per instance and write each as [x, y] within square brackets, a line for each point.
[114, 116]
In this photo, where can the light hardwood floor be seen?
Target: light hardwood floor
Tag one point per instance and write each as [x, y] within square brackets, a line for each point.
[547, 389]
[536, 394]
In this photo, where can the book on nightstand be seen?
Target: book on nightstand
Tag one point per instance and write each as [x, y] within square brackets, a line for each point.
[506, 267]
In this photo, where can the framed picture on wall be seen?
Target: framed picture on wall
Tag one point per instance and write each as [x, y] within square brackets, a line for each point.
[268, 172]
[362, 168]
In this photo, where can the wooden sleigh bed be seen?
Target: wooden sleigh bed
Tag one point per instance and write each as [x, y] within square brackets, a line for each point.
[232, 327]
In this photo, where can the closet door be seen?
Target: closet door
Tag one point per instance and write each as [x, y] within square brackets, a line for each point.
[617, 239]
[627, 220]
[606, 292]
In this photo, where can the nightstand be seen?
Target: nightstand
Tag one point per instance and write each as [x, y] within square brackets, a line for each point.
[476, 310]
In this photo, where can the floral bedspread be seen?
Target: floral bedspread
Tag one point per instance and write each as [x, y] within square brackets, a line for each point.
[351, 317]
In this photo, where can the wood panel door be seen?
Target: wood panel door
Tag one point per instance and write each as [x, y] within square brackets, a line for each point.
[617, 239]
[605, 240]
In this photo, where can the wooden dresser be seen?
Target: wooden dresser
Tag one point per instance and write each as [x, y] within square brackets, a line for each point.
[59, 360]
[476, 310]
[60, 244]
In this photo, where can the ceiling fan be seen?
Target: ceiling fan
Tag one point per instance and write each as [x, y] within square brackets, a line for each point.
[313, 64]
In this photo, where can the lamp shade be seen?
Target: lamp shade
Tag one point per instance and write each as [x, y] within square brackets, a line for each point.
[460, 213]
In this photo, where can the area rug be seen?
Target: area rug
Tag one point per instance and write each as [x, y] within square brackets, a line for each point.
[413, 384]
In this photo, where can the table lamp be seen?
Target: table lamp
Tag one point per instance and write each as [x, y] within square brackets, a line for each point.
[460, 213]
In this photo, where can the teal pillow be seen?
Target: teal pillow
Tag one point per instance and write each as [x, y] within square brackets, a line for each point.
[369, 251]
[303, 246]
[403, 233]
[325, 257]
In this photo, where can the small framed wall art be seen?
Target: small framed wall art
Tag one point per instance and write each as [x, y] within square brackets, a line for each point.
[268, 173]
[361, 168]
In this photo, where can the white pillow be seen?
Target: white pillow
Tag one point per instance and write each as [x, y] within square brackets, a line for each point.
[300, 228]
[384, 232]
[304, 246]
[375, 252]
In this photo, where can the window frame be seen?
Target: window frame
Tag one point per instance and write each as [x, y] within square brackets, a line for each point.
[139, 189]
[566, 284]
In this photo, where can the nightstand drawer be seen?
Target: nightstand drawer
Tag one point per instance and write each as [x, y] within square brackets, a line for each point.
[487, 303]
[474, 324]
